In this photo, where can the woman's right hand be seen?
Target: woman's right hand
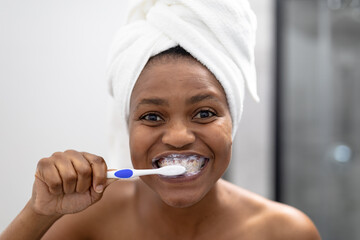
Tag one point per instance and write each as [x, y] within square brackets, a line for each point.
[68, 182]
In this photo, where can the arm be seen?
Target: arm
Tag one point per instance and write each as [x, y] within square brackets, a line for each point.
[28, 225]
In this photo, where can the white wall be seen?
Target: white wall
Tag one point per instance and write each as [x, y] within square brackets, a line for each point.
[53, 93]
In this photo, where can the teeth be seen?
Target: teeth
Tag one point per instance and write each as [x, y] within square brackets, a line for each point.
[192, 163]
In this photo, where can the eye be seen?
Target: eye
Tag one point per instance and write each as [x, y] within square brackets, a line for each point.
[204, 114]
[152, 117]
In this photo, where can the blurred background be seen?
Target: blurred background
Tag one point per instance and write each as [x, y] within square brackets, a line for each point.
[318, 114]
[300, 145]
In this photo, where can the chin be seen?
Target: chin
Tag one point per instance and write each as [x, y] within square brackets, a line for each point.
[181, 202]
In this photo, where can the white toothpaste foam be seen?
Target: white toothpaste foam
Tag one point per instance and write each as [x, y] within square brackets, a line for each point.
[192, 163]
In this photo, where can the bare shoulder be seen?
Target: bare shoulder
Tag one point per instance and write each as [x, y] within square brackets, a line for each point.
[89, 224]
[266, 219]
[287, 222]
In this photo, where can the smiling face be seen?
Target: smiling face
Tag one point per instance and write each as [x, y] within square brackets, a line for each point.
[179, 115]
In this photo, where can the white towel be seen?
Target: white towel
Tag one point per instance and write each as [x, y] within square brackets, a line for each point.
[218, 33]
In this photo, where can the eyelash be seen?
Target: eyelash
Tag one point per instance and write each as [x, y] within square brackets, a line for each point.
[143, 117]
[212, 113]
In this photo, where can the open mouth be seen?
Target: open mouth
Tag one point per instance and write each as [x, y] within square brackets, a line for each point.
[193, 163]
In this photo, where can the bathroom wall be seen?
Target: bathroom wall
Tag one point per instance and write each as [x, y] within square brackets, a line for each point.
[53, 95]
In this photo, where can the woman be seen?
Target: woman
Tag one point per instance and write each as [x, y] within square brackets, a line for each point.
[180, 107]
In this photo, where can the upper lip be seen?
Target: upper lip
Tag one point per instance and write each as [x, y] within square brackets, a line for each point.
[166, 154]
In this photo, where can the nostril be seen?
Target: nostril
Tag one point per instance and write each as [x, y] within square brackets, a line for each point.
[178, 138]
[178, 142]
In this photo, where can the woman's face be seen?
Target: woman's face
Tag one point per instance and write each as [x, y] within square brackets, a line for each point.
[179, 115]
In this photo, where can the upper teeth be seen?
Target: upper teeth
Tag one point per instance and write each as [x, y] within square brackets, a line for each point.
[192, 163]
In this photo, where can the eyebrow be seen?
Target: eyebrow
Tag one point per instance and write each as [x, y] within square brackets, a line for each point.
[153, 101]
[163, 102]
[199, 98]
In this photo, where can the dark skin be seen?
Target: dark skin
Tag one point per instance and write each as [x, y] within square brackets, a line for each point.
[176, 106]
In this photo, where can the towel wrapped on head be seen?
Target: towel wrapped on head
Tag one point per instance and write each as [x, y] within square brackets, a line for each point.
[219, 34]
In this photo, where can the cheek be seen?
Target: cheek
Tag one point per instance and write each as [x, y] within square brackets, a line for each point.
[223, 133]
[140, 142]
[222, 143]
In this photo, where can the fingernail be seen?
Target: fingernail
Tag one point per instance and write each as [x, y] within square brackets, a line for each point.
[99, 188]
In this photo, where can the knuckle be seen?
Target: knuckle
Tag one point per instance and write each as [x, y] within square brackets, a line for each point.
[70, 177]
[55, 185]
[44, 164]
[57, 155]
[98, 160]
[70, 151]
[84, 170]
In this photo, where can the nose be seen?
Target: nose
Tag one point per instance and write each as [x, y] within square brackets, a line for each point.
[178, 135]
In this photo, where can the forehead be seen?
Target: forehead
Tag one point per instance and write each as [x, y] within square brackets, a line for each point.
[180, 77]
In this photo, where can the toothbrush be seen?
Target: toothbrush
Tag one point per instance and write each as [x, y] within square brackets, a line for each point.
[130, 173]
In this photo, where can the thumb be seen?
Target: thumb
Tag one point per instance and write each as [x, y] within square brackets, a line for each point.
[98, 192]
[110, 181]
[99, 188]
